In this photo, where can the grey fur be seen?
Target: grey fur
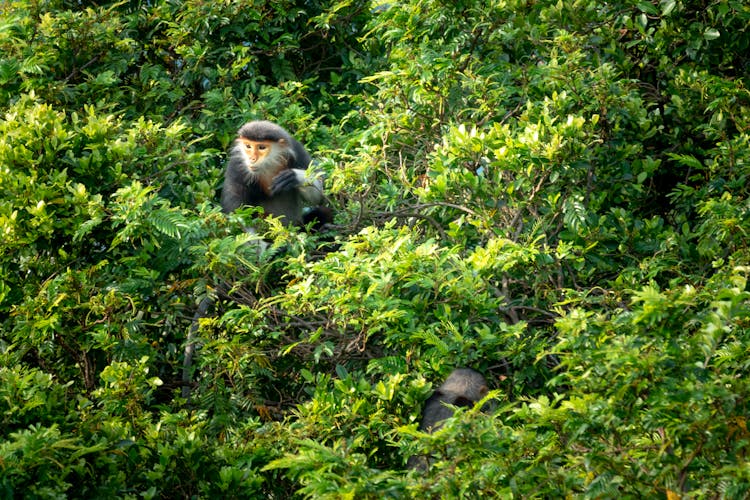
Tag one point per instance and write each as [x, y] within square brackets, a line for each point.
[462, 388]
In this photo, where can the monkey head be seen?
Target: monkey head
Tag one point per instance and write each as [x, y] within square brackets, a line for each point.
[263, 130]
[464, 386]
[264, 146]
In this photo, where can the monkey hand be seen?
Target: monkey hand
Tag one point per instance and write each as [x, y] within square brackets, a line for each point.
[287, 180]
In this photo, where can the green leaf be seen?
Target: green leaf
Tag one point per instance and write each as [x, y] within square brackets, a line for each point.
[711, 34]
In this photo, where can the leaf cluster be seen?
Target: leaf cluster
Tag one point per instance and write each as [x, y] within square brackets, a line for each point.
[552, 193]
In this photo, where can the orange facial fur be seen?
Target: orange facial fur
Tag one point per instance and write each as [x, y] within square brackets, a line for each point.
[256, 151]
[264, 159]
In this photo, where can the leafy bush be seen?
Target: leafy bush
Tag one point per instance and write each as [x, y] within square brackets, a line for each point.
[554, 193]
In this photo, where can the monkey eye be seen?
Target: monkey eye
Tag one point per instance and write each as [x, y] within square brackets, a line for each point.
[262, 147]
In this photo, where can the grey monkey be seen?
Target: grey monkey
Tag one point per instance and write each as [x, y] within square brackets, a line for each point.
[462, 388]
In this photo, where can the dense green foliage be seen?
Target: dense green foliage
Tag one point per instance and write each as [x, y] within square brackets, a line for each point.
[554, 193]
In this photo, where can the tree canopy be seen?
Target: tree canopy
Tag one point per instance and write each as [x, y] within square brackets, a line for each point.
[553, 193]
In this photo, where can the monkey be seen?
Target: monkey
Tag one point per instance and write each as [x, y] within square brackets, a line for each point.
[462, 388]
[267, 167]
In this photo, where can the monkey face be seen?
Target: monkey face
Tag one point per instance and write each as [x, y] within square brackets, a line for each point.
[256, 151]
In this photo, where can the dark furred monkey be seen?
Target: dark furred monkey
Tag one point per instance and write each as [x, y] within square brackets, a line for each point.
[462, 388]
[268, 168]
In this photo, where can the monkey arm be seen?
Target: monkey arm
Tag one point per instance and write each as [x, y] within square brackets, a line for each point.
[310, 188]
[286, 180]
[233, 196]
